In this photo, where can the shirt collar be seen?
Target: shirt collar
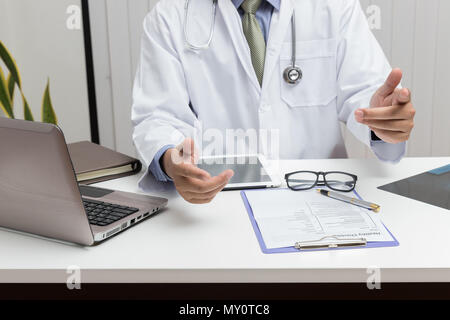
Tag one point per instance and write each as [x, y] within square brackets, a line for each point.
[274, 3]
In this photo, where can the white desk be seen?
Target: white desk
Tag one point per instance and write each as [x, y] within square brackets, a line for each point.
[216, 243]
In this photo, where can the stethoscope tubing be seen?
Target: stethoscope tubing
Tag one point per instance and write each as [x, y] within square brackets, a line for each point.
[194, 47]
[211, 33]
[294, 40]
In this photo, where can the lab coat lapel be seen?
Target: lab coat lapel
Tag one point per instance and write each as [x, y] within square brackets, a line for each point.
[234, 28]
[280, 22]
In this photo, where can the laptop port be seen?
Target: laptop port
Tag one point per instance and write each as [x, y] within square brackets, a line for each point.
[146, 214]
[132, 221]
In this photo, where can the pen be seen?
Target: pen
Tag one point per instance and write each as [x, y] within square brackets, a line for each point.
[360, 203]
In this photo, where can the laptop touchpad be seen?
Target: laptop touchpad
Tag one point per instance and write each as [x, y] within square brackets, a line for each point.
[94, 192]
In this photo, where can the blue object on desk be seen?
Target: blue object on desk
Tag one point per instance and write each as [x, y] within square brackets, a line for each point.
[441, 170]
[264, 248]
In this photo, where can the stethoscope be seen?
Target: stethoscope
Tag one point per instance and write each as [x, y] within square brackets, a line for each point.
[292, 74]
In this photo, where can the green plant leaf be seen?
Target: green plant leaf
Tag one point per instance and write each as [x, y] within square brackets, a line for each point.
[48, 113]
[10, 63]
[27, 115]
[11, 87]
[5, 101]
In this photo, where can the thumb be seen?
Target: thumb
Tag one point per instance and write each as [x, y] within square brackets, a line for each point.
[227, 174]
[391, 83]
[401, 97]
[187, 150]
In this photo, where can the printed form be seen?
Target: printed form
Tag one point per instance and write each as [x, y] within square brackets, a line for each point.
[286, 217]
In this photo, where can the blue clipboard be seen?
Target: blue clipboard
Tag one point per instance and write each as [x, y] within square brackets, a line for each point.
[264, 249]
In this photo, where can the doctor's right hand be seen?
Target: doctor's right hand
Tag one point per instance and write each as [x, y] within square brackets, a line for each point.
[192, 183]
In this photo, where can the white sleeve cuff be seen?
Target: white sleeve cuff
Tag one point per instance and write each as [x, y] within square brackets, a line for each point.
[388, 152]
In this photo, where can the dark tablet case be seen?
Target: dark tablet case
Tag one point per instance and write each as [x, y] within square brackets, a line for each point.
[432, 187]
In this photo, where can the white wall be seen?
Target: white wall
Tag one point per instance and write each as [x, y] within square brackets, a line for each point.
[35, 32]
[415, 35]
[116, 30]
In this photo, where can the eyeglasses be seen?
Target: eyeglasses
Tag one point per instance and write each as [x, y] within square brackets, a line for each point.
[335, 180]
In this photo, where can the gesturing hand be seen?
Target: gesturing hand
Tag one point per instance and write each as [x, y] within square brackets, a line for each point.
[192, 183]
[391, 113]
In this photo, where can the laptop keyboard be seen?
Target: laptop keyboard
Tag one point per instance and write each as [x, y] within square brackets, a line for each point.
[104, 213]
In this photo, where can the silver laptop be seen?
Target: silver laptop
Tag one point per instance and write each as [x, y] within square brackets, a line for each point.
[39, 193]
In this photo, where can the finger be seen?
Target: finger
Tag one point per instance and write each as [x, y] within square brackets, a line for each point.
[192, 199]
[188, 147]
[198, 201]
[203, 186]
[391, 136]
[186, 144]
[391, 125]
[187, 151]
[401, 97]
[391, 83]
[191, 171]
[382, 113]
[205, 196]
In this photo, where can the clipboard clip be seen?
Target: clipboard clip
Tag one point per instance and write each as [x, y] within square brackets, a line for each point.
[333, 242]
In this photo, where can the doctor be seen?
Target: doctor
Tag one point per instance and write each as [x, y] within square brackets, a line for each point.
[238, 80]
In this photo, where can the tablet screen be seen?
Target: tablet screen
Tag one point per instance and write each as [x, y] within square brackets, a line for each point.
[246, 169]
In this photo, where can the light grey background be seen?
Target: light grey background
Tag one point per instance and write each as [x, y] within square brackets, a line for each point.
[35, 33]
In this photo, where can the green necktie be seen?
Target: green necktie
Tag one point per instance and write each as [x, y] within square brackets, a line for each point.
[254, 35]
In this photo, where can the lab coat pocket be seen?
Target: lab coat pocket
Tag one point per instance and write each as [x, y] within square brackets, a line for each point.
[317, 60]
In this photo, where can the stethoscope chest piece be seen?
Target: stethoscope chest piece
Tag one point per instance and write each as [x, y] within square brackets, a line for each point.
[292, 75]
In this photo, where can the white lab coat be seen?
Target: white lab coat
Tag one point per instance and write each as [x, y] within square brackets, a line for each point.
[342, 65]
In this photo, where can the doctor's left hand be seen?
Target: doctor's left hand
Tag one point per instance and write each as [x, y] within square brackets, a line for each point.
[391, 113]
